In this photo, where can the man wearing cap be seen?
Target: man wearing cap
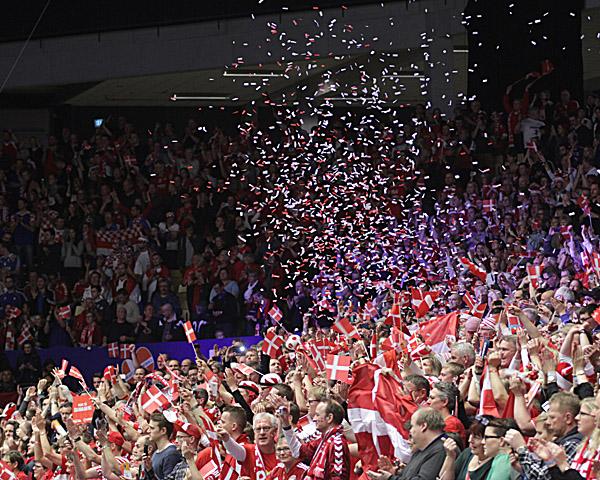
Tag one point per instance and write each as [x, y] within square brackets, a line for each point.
[329, 456]
[256, 460]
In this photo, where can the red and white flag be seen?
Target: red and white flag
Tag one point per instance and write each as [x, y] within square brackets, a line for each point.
[189, 332]
[154, 399]
[75, 373]
[6, 473]
[440, 332]
[394, 316]
[272, 344]
[126, 350]
[62, 371]
[474, 269]
[378, 413]
[417, 348]
[275, 314]
[370, 311]
[344, 327]
[12, 312]
[373, 346]
[113, 350]
[110, 373]
[535, 274]
[488, 206]
[64, 312]
[338, 368]
[25, 335]
[243, 368]
[422, 300]
[476, 309]
[314, 357]
[487, 403]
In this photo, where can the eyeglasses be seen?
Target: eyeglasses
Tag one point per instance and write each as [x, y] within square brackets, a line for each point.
[282, 449]
[313, 401]
[491, 436]
[263, 429]
[588, 414]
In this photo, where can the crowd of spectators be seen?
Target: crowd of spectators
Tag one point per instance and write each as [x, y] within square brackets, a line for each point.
[125, 236]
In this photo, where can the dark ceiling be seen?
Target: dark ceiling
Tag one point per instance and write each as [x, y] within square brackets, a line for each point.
[65, 17]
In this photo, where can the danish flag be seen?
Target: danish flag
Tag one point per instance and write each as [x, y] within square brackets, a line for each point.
[12, 312]
[476, 309]
[314, 357]
[126, 350]
[422, 300]
[338, 368]
[370, 311]
[113, 350]
[272, 344]
[6, 473]
[373, 346]
[75, 373]
[417, 348]
[275, 313]
[489, 206]
[64, 312]
[110, 373]
[474, 269]
[25, 335]
[535, 273]
[189, 331]
[153, 399]
[487, 404]
[394, 317]
[346, 328]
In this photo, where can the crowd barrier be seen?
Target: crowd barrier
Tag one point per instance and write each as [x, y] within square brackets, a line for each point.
[95, 359]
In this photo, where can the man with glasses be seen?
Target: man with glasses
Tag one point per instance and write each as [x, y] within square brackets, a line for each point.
[306, 430]
[258, 459]
[427, 435]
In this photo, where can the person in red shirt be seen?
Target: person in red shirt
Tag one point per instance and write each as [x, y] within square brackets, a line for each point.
[233, 421]
[329, 456]
[14, 461]
[288, 468]
[256, 460]
[443, 399]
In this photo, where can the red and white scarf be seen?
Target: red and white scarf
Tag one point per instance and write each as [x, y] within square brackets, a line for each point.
[319, 461]
[584, 460]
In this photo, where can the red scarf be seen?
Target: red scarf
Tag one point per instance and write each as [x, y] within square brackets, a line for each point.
[319, 460]
[583, 462]
[87, 335]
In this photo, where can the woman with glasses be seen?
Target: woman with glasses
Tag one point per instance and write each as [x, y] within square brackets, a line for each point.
[496, 449]
[586, 425]
[484, 458]
[288, 468]
[471, 463]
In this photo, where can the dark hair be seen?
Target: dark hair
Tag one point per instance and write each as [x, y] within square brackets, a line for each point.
[238, 414]
[285, 391]
[295, 412]
[502, 425]
[14, 456]
[420, 382]
[162, 422]
[334, 408]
